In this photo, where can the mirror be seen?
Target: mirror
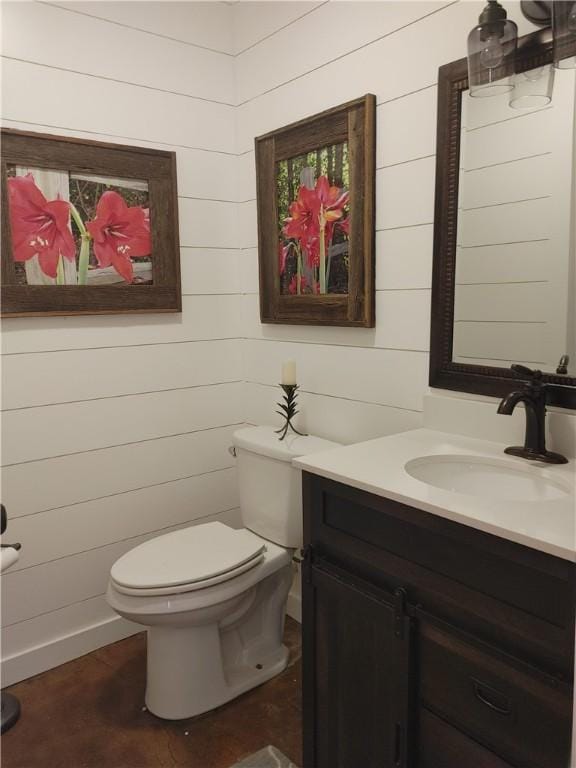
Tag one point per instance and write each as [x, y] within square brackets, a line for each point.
[515, 288]
[504, 277]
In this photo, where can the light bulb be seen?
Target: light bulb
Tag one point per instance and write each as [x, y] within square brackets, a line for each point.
[492, 55]
[571, 22]
[533, 75]
[564, 34]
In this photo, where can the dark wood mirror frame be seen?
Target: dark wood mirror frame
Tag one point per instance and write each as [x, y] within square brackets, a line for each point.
[534, 50]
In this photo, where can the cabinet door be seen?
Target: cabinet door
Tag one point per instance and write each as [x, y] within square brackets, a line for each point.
[356, 661]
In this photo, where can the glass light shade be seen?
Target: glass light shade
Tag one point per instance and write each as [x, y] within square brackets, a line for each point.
[533, 89]
[564, 34]
[491, 56]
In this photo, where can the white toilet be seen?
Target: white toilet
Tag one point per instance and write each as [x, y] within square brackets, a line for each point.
[213, 598]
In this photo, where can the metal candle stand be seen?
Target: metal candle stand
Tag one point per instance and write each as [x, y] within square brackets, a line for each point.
[288, 410]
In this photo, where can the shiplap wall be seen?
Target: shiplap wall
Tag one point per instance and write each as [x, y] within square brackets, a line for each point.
[356, 384]
[116, 428]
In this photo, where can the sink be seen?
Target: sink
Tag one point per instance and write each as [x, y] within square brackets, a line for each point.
[486, 477]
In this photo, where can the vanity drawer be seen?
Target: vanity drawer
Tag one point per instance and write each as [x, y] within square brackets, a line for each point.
[513, 710]
[443, 746]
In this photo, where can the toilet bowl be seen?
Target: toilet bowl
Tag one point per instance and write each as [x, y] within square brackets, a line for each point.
[207, 642]
[213, 598]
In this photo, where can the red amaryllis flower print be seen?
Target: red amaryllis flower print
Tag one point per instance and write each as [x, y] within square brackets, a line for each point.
[293, 286]
[283, 252]
[39, 227]
[120, 233]
[311, 246]
[332, 200]
[314, 211]
[313, 217]
[303, 220]
[303, 223]
[344, 225]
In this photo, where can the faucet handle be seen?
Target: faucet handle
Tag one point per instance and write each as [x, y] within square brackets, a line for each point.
[533, 376]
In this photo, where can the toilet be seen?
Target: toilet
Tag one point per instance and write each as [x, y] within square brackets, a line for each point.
[213, 598]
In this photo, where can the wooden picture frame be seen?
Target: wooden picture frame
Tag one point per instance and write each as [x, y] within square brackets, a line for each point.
[88, 282]
[534, 50]
[291, 294]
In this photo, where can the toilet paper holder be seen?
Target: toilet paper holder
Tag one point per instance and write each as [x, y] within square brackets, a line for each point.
[3, 524]
[9, 704]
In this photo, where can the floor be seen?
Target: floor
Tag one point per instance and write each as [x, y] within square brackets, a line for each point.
[89, 714]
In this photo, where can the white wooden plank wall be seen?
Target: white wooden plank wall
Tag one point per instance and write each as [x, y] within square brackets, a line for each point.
[356, 383]
[116, 429]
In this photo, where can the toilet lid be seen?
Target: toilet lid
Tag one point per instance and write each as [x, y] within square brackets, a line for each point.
[188, 556]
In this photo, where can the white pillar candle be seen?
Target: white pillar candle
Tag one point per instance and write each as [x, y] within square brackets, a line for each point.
[289, 372]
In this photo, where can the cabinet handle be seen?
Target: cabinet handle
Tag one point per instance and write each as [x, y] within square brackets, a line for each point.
[492, 698]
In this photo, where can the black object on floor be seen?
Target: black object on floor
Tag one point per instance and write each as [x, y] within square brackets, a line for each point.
[10, 711]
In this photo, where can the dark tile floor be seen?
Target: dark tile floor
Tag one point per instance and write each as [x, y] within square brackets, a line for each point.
[88, 714]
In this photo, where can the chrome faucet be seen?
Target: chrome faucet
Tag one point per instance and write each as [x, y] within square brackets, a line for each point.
[534, 397]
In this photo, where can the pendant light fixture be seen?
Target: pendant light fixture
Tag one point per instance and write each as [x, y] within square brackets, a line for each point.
[533, 89]
[492, 52]
[564, 34]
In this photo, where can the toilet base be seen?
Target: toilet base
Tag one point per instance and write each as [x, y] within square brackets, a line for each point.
[184, 700]
[195, 667]
[242, 679]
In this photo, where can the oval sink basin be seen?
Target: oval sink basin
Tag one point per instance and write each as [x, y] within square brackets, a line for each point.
[490, 478]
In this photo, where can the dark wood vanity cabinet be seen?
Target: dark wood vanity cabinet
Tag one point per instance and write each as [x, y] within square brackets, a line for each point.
[428, 644]
[361, 652]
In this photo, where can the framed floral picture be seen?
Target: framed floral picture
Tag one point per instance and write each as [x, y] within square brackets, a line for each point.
[87, 227]
[315, 187]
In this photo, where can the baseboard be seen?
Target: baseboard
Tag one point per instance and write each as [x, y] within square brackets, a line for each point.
[40, 658]
[56, 651]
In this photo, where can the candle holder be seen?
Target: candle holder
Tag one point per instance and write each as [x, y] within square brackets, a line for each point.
[288, 410]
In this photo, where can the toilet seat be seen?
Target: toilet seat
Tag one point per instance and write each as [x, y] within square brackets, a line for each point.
[188, 559]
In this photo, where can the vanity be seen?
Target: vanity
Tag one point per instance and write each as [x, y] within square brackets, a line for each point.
[438, 575]
[438, 606]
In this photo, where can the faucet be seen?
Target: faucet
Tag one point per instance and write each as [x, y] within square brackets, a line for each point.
[534, 396]
[562, 369]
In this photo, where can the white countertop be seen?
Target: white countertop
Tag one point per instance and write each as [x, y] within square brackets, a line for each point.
[377, 466]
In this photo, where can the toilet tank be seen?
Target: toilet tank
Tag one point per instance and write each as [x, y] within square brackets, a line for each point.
[270, 487]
